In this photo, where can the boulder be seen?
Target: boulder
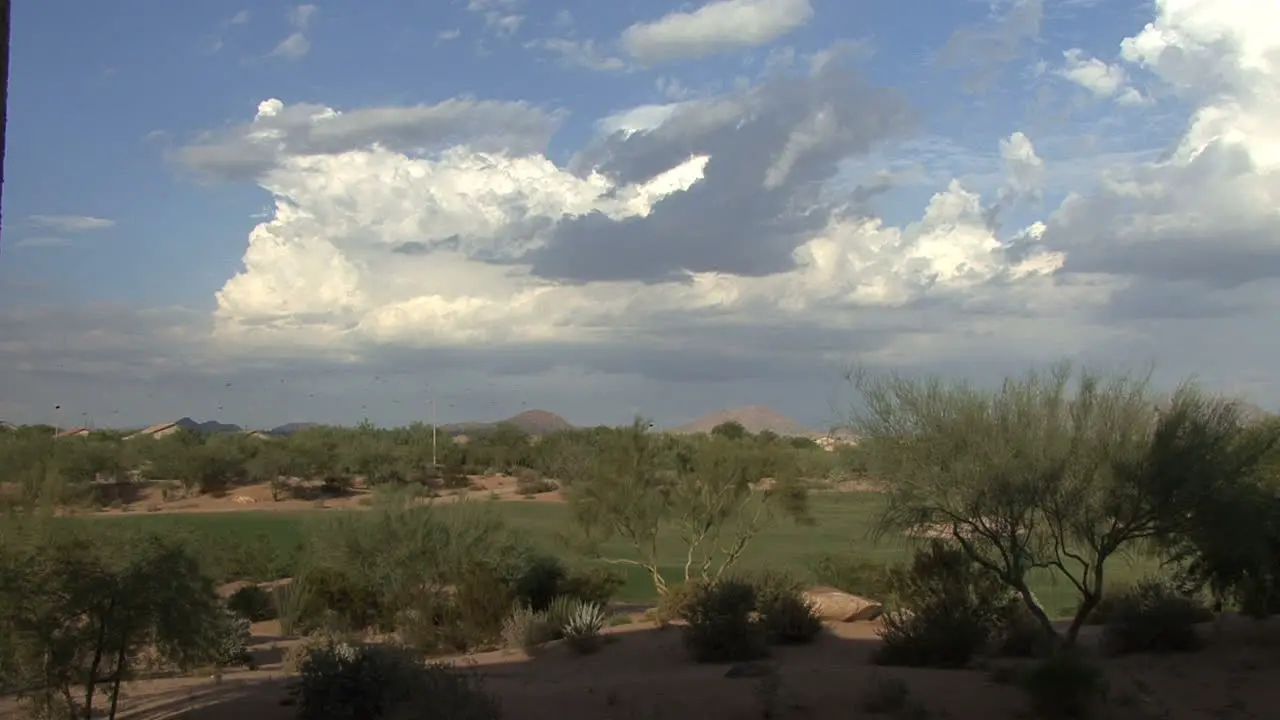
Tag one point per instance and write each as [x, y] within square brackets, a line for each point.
[835, 605]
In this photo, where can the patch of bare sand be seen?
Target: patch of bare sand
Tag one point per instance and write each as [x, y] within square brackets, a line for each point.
[643, 673]
[166, 498]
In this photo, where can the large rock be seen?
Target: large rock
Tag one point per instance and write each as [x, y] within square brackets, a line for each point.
[838, 606]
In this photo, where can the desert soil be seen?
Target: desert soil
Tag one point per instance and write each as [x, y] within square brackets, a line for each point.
[167, 498]
[642, 673]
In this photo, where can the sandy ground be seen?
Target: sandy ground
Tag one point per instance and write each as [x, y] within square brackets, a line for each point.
[167, 497]
[642, 673]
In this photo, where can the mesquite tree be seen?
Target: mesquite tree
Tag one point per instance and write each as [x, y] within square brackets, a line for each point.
[701, 497]
[1054, 470]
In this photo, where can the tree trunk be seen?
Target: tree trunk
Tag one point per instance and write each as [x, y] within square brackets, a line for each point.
[1086, 608]
[1037, 612]
[115, 687]
[4, 98]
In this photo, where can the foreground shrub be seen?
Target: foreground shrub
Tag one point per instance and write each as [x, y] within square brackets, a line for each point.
[526, 628]
[1065, 686]
[253, 603]
[1019, 633]
[1153, 617]
[674, 603]
[343, 681]
[788, 617]
[949, 609]
[229, 640]
[723, 625]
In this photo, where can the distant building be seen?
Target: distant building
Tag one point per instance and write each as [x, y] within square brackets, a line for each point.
[157, 431]
[73, 432]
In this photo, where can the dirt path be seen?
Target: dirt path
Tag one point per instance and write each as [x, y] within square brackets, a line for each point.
[643, 673]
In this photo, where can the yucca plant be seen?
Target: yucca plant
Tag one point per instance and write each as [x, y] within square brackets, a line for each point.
[582, 630]
[559, 612]
[290, 600]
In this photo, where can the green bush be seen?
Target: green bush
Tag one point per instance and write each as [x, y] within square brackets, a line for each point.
[593, 585]
[674, 603]
[252, 603]
[723, 625]
[948, 610]
[531, 482]
[1065, 686]
[540, 581]
[787, 615]
[340, 681]
[1019, 633]
[229, 640]
[1153, 617]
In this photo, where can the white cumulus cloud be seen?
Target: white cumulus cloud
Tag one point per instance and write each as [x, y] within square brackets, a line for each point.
[716, 27]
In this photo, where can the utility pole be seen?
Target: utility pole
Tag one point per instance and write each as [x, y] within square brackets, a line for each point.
[434, 464]
[4, 98]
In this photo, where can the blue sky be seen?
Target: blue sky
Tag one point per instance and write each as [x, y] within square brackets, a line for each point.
[107, 102]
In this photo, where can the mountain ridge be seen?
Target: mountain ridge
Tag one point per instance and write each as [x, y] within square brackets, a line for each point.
[754, 418]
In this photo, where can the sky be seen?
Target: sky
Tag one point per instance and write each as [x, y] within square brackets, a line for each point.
[273, 212]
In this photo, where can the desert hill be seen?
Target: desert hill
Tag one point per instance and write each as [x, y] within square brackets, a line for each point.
[208, 426]
[533, 422]
[291, 428]
[755, 418]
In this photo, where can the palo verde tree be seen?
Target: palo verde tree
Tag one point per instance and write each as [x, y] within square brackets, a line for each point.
[79, 610]
[705, 495]
[1056, 470]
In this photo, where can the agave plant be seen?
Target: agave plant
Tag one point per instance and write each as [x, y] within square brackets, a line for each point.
[559, 612]
[582, 629]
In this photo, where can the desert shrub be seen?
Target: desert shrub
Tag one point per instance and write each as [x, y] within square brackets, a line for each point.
[229, 639]
[526, 629]
[444, 578]
[582, 629]
[948, 610]
[858, 577]
[1153, 617]
[531, 482]
[723, 625]
[788, 617]
[252, 603]
[338, 600]
[1019, 634]
[593, 585]
[673, 603]
[341, 681]
[539, 582]
[453, 479]
[888, 696]
[483, 601]
[1065, 686]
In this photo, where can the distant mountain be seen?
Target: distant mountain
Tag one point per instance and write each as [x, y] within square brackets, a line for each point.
[209, 426]
[291, 428]
[755, 418]
[533, 422]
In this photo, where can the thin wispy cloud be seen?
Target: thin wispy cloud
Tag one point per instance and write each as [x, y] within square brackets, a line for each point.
[69, 223]
[296, 45]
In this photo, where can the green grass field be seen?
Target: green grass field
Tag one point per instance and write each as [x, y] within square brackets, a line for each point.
[263, 544]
